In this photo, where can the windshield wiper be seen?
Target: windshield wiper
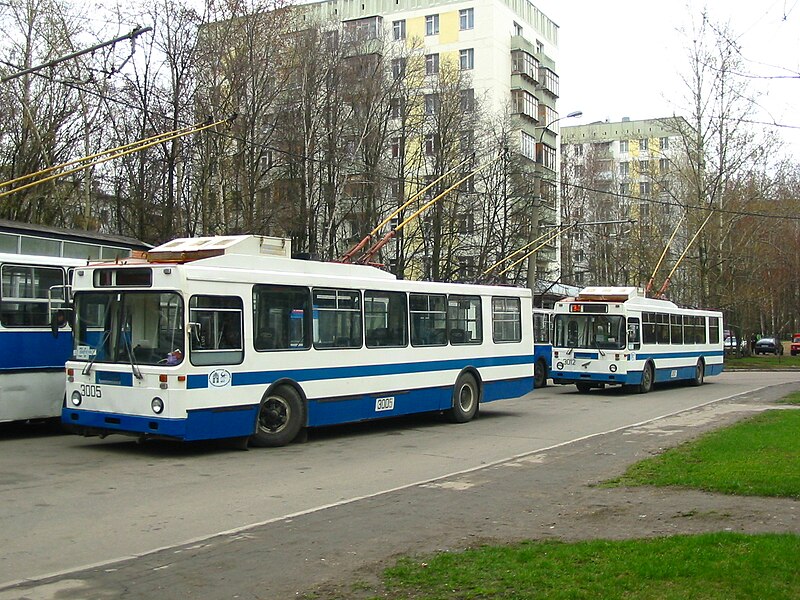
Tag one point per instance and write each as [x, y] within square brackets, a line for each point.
[131, 358]
[88, 368]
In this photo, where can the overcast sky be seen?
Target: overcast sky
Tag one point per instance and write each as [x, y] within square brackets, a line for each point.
[623, 58]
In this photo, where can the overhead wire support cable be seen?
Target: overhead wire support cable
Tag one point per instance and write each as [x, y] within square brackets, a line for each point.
[664, 287]
[367, 257]
[348, 257]
[137, 31]
[112, 154]
[649, 285]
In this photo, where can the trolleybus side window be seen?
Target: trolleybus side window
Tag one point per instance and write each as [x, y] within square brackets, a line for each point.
[506, 320]
[282, 317]
[428, 319]
[676, 326]
[385, 319]
[464, 320]
[216, 330]
[337, 318]
[24, 291]
[713, 330]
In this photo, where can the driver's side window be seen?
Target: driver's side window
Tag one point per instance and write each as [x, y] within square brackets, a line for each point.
[634, 339]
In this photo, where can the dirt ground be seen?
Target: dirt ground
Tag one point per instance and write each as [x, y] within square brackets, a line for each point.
[555, 495]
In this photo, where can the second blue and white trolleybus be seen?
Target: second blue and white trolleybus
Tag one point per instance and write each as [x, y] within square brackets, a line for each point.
[215, 338]
[617, 336]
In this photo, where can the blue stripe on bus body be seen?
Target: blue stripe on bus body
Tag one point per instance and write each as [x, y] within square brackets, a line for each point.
[315, 374]
[239, 421]
[661, 375]
[34, 349]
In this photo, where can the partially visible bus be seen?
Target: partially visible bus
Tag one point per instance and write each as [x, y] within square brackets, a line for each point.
[617, 336]
[542, 345]
[212, 338]
[36, 264]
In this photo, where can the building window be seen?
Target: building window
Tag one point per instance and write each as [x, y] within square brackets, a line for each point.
[663, 165]
[642, 145]
[467, 59]
[466, 140]
[517, 28]
[364, 29]
[394, 144]
[431, 104]
[546, 155]
[578, 148]
[467, 100]
[432, 25]
[578, 171]
[527, 145]
[549, 80]
[395, 108]
[398, 68]
[644, 166]
[431, 144]
[465, 223]
[624, 189]
[466, 19]
[399, 29]
[624, 169]
[431, 64]
[644, 189]
[525, 64]
[663, 143]
[524, 103]
[623, 146]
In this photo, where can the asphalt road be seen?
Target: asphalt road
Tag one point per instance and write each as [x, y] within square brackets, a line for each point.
[90, 518]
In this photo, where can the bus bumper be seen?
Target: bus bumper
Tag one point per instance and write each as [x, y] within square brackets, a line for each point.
[228, 422]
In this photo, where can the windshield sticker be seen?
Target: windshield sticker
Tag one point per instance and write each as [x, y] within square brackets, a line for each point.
[85, 352]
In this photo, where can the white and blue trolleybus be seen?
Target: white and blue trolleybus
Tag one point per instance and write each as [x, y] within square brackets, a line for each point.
[617, 336]
[230, 337]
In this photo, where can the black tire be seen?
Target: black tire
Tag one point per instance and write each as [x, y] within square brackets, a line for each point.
[647, 379]
[539, 374]
[466, 397]
[280, 417]
[583, 387]
[699, 373]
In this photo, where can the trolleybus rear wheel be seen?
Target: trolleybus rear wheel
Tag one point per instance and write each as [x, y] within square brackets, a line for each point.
[280, 417]
[539, 374]
[699, 373]
[466, 396]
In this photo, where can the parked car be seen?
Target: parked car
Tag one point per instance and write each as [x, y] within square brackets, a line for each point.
[795, 347]
[769, 345]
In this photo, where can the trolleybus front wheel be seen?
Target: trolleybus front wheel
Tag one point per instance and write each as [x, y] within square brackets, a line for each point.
[647, 379]
[465, 399]
[280, 417]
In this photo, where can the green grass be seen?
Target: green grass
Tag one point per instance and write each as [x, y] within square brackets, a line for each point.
[724, 566]
[793, 398]
[757, 457]
[765, 362]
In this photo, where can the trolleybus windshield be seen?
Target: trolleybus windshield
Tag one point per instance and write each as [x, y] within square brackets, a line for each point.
[596, 331]
[129, 327]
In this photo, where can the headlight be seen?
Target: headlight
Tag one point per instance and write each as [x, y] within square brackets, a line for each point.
[157, 405]
[76, 398]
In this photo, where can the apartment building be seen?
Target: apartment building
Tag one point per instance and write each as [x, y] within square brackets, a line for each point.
[508, 48]
[624, 170]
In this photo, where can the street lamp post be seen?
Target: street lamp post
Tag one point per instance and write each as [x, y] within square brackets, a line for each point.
[534, 229]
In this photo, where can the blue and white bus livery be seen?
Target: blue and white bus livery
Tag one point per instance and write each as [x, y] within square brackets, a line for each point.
[617, 336]
[214, 338]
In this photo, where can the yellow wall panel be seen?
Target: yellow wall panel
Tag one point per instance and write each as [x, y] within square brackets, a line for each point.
[415, 28]
[448, 27]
